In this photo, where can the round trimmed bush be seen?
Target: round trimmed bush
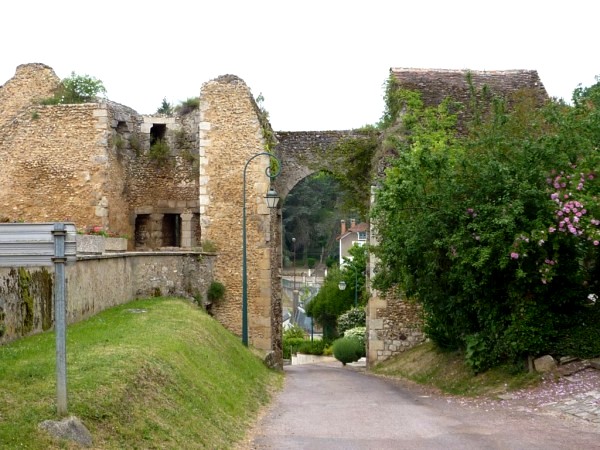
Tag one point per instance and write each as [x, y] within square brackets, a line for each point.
[347, 350]
[360, 334]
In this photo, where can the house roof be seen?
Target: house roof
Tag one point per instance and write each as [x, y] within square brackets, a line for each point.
[358, 228]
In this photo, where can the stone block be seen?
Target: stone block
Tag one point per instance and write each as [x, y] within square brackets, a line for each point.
[101, 211]
[544, 363]
[103, 112]
[115, 245]
[376, 324]
[89, 244]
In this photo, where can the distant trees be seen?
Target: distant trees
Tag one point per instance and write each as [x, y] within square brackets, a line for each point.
[311, 215]
[331, 302]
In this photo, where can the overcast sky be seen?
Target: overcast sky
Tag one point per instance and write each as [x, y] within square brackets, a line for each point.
[320, 64]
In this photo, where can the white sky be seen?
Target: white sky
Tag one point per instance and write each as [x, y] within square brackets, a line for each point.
[320, 64]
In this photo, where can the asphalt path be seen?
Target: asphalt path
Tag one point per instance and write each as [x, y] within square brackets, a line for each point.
[328, 406]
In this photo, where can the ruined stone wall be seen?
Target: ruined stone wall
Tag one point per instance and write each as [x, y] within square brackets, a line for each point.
[54, 165]
[303, 153]
[230, 134]
[56, 159]
[95, 284]
[32, 82]
[435, 85]
[394, 325]
[91, 163]
[171, 182]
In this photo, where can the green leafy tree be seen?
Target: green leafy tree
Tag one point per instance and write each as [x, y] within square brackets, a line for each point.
[165, 108]
[310, 214]
[354, 274]
[329, 303]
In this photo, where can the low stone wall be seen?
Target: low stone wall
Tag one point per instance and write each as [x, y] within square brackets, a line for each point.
[394, 325]
[95, 283]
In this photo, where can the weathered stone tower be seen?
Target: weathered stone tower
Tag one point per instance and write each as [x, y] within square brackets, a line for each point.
[230, 134]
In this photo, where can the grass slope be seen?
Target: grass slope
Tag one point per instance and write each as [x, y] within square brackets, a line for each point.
[156, 373]
[447, 371]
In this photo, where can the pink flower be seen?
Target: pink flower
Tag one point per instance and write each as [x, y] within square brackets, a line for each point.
[596, 242]
[515, 255]
[551, 230]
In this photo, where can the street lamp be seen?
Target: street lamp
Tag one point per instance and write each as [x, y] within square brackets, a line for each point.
[294, 291]
[271, 199]
[342, 286]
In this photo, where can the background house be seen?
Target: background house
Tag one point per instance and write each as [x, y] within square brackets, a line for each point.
[355, 235]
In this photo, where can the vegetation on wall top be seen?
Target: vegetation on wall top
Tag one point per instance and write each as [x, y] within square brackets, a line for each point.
[76, 89]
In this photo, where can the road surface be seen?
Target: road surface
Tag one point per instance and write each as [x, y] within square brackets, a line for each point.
[327, 406]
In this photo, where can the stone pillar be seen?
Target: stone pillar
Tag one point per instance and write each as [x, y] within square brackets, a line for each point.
[187, 237]
[155, 229]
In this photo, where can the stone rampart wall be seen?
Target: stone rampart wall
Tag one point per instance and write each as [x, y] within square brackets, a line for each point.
[31, 83]
[303, 153]
[90, 163]
[95, 284]
[394, 325]
[54, 166]
[230, 135]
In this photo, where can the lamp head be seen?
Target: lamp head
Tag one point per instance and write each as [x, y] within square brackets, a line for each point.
[272, 198]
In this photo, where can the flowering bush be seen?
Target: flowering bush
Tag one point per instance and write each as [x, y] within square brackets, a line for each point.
[354, 317]
[359, 333]
[495, 231]
[97, 230]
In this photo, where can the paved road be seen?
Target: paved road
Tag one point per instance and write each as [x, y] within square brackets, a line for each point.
[327, 406]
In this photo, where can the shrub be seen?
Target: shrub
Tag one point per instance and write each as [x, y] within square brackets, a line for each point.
[209, 246]
[291, 345]
[355, 317]
[359, 333]
[315, 347]
[76, 89]
[215, 292]
[311, 262]
[189, 105]
[347, 349]
[295, 331]
[159, 151]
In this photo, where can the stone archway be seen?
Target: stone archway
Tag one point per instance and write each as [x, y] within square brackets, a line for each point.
[231, 133]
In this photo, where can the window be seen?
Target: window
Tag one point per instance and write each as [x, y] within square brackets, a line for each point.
[362, 235]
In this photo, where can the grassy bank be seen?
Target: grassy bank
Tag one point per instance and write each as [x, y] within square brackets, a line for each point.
[447, 371]
[156, 373]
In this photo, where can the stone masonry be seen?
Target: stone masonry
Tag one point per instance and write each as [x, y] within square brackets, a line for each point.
[231, 134]
[93, 164]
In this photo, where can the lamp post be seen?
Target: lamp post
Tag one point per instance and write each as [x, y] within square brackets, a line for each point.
[342, 286]
[294, 291]
[272, 199]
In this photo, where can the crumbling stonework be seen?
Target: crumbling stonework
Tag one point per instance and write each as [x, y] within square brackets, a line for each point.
[92, 164]
[435, 85]
[394, 325]
[230, 135]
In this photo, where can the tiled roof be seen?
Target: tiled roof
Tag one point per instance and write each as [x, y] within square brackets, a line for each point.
[358, 228]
